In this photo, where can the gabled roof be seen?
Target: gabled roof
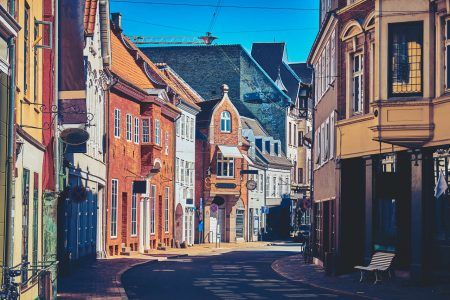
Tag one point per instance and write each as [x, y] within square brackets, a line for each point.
[254, 125]
[124, 65]
[190, 96]
[90, 11]
[273, 59]
[302, 71]
[207, 108]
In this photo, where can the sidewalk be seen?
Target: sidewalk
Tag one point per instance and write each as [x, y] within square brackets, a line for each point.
[100, 279]
[293, 268]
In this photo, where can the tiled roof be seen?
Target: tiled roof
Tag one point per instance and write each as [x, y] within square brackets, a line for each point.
[189, 95]
[124, 65]
[274, 161]
[254, 125]
[90, 11]
[302, 71]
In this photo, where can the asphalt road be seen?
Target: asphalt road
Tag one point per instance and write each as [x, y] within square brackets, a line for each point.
[234, 276]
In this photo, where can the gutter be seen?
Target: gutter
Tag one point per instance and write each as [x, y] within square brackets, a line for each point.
[10, 197]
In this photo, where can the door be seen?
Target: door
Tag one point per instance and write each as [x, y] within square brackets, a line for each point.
[213, 222]
[222, 224]
[124, 217]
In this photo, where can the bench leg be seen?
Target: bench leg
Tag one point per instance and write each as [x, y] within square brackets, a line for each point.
[362, 276]
[376, 277]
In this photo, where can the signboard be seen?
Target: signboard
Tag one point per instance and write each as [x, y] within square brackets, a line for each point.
[189, 201]
[251, 185]
[248, 172]
[139, 187]
[224, 185]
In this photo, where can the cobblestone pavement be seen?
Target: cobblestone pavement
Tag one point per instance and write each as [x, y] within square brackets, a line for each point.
[237, 275]
[293, 268]
[100, 279]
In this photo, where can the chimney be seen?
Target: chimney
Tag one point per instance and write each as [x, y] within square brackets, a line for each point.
[225, 89]
[117, 20]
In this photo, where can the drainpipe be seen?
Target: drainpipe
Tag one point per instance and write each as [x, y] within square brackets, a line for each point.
[56, 157]
[9, 234]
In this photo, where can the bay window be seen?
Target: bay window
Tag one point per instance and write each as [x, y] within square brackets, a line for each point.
[405, 59]
[225, 166]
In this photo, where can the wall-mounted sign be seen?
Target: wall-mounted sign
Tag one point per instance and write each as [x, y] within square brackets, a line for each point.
[251, 185]
[189, 201]
[139, 187]
[243, 172]
[224, 185]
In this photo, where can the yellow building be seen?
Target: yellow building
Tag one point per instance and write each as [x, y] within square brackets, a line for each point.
[29, 147]
[393, 132]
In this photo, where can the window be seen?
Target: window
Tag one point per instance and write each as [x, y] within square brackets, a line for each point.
[274, 186]
[136, 130]
[178, 123]
[261, 183]
[192, 174]
[300, 175]
[133, 214]
[177, 169]
[267, 186]
[188, 127]
[114, 198]
[117, 122]
[145, 130]
[326, 145]
[157, 132]
[447, 54]
[166, 209]
[182, 171]
[357, 83]
[26, 49]
[192, 130]
[333, 55]
[25, 217]
[331, 150]
[267, 145]
[152, 208]
[129, 125]
[295, 135]
[240, 223]
[35, 219]
[225, 166]
[183, 126]
[290, 134]
[405, 56]
[225, 122]
[166, 143]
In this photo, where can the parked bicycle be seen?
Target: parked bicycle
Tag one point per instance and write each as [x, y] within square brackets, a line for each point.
[10, 288]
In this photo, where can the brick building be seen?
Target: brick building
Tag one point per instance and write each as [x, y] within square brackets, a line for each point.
[221, 190]
[141, 144]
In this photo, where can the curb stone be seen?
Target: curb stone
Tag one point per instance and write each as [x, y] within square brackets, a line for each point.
[275, 267]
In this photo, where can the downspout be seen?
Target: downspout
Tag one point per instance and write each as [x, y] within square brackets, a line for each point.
[55, 97]
[9, 234]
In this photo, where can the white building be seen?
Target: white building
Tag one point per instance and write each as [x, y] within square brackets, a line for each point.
[184, 158]
[85, 236]
[273, 178]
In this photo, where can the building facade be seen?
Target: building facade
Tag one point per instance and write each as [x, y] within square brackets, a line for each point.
[390, 143]
[184, 219]
[221, 188]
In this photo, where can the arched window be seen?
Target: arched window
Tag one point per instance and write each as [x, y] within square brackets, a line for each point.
[225, 122]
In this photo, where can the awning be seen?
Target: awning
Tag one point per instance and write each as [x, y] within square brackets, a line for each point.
[247, 159]
[230, 151]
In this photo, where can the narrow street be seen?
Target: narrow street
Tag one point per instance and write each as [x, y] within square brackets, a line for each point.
[243, 274]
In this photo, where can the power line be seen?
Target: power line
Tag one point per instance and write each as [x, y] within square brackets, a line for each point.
[212, 5]
[268, 30]
[214, 16]
[161, 25]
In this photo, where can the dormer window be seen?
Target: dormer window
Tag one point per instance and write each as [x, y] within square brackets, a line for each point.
[225, 121]
[258, 143]
[267, 146]
[275, 148]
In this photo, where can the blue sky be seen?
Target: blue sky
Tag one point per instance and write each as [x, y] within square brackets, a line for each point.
[296, 26]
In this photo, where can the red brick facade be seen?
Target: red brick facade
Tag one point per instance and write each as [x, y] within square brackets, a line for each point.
[211, 187]
[141, 143]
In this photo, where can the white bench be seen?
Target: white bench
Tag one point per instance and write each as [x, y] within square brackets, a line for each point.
[380, 262]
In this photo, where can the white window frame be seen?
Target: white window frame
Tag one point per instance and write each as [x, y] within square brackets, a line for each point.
[129, 127]
[117, 123]
[333, 56]
[166, 209]
[146, 130]
[152, 208]
[332, 135]
[177, 169]
[183, 126]
[225, 163]
[182, 171]
[114, 205]
[133, 214]
[157, 132]
[136, 130]
[357, 76]
[225, 121]
[178, 125]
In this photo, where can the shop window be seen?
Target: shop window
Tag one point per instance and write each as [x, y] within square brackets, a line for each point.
[442, 204]
[133, 214]
[405, 59]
